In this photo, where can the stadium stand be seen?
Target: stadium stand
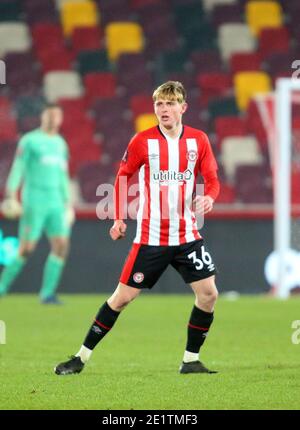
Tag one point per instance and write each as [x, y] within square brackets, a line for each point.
[101, 60]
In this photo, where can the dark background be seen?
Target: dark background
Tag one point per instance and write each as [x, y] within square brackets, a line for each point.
[239, 249]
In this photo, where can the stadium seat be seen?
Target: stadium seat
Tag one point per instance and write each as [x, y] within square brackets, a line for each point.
[14, 36]
[8, 127]
[206, 61]
[27, 82]
[39, 11]
[90, 175]
[133, 74]
[225, 13]
[59, 59]
[194, 27]
[87, 39]
[10, 10]
[99, 85]
[28, 123]
[239, 150]
[222, 107]
[62, 84]
[253, 184]
[243, 62]
[278, 62]
[109, 112]
[234, 38]
[248, 84]
[254, 124]
[261, 14]
[210, 4]
[213, 85]
[136, 4]
[78, 14]
[144, 121]
[93, 61]
[29, 106]
[227, 126]
[273, 40]
[122, 37]
[140, 104]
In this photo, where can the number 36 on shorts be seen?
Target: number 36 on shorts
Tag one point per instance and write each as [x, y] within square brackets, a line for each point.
[201, 259]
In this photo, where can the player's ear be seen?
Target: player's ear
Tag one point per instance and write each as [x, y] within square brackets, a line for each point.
[184, 108]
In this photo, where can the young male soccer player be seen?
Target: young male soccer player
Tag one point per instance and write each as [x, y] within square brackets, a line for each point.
[41, 166]
[168, 158]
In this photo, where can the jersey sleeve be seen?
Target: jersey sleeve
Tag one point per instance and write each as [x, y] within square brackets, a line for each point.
[20, 161]
[208, 169]
[132, 160]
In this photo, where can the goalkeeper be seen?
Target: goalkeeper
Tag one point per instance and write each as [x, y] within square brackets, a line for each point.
[40, 167]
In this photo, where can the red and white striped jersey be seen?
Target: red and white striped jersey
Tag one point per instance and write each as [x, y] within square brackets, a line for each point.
[167, 179]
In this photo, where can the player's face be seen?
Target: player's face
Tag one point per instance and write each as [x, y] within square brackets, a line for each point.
[169, 112]
[52, 119]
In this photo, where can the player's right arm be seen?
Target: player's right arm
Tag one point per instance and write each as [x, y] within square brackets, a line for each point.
[11, 208]
[132, 160]
[17, 171]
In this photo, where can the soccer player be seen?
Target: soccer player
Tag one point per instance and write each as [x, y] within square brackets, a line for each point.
[41, 168]
[168, 158]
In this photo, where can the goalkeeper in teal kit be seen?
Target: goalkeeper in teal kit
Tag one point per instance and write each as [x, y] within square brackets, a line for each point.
[40, 167]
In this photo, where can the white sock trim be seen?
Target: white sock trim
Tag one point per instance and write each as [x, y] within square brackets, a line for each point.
[84, 353]
[190, 356]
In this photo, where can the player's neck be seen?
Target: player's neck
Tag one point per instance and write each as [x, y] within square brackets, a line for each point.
[174, 132]
[50, 131]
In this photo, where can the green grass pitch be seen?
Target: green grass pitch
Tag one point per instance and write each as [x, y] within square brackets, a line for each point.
[136, 365]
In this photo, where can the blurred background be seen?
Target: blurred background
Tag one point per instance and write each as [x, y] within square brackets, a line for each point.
[100, 60]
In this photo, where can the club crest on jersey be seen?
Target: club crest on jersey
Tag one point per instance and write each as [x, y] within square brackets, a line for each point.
[138, 277]
[192, 155]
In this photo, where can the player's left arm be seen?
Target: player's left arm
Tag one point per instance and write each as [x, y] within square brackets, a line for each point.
[208, 169]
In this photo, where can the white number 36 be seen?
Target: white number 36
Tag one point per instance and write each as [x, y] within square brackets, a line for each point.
[199, 262]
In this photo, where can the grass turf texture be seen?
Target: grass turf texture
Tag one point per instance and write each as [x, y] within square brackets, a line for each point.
[136, 366]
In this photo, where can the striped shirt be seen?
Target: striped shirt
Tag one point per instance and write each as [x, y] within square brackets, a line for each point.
[168, 169]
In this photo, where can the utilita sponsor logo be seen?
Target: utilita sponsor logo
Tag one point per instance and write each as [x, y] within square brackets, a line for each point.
[166, 177]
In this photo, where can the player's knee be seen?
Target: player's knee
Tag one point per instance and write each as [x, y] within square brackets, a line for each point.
[119, 301]
[207, 298]
[26, 251]
[60, 248]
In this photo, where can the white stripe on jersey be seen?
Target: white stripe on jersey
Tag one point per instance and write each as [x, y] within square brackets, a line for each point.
[188, 214]
[154, 167]
[173, 193]
[139, 216]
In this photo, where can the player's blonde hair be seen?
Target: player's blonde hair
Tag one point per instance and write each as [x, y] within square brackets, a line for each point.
[171, 90]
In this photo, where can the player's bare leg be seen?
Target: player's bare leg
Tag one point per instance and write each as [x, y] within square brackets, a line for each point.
[103, 323]
[53, 269]
[201, 319]
[11, 271]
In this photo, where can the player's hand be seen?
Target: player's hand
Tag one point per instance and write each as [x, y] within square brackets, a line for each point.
[11, 208]
[118, 230]
[203, 204]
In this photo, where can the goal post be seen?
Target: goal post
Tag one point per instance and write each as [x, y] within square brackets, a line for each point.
[282, 177]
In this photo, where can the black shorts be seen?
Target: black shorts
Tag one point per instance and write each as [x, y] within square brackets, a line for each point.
[145, 264]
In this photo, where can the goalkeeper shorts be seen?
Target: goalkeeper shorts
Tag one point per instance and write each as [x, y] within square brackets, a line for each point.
[36, 221]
